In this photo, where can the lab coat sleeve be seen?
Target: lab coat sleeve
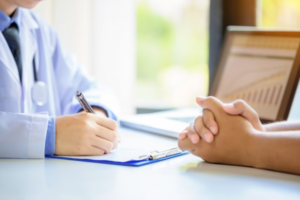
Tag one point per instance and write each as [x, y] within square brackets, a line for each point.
[71, 78]
[50, 137]
[22, 135]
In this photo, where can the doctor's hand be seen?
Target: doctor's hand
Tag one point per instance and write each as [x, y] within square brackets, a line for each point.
[101, 112]
[85, 134]
[208, 127]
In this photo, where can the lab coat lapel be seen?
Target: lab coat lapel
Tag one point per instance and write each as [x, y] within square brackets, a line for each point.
[7, 60]
[28, 50]
[28, 43]
[10, 87]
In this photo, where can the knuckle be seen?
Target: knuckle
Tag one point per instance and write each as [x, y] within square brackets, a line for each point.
[198, 124]
[114, 136]
[114, 124]
[101, 152]
[204, 113]
[198, 120]
[254, 116]
[189, 132]
[207, 112]
[240, 102]
[110, 146]
[209, 99]
[202, 132]
[83, 123]
[85, 115]
[90, 115]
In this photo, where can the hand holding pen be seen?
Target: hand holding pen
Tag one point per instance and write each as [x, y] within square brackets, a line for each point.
[88, 108]
[84, 134]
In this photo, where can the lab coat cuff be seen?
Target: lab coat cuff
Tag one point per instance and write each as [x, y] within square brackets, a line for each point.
[50, 137]
[37, 136]
[109, 113]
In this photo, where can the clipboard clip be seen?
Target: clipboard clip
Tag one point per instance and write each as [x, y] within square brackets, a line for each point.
[161, 154]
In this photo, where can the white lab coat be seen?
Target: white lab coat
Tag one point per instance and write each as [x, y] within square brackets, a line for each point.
[22, 130]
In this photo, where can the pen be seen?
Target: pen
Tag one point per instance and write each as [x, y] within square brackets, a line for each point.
[84, 104]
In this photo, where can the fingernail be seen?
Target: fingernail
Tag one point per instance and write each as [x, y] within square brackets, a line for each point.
[194, 139]
[213, 129]
[181, 136]
[200, 101]
[207, 137]
[185, 131]
[192, 127]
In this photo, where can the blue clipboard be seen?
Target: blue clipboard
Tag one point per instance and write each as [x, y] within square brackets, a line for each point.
[134, 163]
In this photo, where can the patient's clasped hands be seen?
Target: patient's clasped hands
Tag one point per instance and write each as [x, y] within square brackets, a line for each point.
[225, 133]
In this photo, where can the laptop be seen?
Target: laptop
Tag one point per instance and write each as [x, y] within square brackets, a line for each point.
[260, 66]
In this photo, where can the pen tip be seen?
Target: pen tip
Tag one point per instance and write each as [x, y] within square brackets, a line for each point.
[78, 93]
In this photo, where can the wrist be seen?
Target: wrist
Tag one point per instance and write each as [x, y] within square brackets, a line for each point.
[256, 158]
[247, 156]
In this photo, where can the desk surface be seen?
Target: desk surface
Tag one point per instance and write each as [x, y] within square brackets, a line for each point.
[185, 177]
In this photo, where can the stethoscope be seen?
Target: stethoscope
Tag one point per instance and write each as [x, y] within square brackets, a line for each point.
[39, 92]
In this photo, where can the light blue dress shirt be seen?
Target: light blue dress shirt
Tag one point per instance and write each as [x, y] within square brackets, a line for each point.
[5, 22]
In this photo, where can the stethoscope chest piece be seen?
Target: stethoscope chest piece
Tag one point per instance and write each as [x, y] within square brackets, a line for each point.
[39, 93]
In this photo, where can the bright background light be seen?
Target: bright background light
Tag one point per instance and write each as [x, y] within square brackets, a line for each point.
[151, 53]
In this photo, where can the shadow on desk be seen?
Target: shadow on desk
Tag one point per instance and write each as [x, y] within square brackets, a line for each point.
[203, 167]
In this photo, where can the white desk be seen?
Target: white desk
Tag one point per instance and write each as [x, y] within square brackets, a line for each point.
[185, 177]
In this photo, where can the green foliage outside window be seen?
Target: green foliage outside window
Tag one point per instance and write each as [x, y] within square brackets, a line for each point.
[165, 45]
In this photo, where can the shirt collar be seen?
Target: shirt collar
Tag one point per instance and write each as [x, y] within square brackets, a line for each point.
[6, 21]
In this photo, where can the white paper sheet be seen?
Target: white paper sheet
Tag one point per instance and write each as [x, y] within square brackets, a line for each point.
[121, 154]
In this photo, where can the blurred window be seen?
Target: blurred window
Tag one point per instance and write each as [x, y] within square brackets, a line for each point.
[172, 52]
[279, 13]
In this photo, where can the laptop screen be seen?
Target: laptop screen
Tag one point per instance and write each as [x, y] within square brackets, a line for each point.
[257, 69]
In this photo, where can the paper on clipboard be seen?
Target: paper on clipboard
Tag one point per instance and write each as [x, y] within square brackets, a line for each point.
[121, 154]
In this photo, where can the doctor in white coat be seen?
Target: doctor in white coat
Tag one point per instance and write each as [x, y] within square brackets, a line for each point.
[39, 114]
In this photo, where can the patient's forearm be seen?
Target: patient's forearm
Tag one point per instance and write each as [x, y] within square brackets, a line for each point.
[279, 151]
[282, 126]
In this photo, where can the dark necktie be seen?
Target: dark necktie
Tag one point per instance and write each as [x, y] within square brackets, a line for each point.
[11, 34]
